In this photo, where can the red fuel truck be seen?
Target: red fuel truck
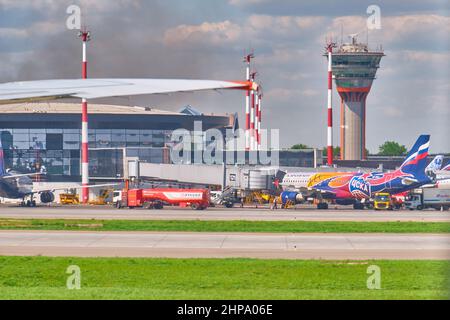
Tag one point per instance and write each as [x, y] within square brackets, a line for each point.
[197, 199]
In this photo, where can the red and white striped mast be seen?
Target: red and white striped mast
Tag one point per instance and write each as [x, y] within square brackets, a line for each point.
[329, 49]
[247, 59]
[256, 118]
[254, 96]
[259, 118]
[85, 37]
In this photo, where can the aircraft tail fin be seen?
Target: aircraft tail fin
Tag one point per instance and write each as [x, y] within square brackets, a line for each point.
[447, 167]
[416, 160]
[2, 160]
[435, 165]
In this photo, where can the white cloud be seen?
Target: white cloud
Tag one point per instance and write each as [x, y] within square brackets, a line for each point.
[285, 94]
[257, 28]
[440, 58]
[45, 28]
[214, 33]
[282, 55]
[395, 112]
[46, 5]
[13, 33]
[246, 2]
[394, 29]
[286, 25]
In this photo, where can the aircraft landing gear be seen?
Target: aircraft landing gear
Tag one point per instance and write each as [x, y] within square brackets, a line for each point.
[322, 206]
[358, 206]
[28, 203]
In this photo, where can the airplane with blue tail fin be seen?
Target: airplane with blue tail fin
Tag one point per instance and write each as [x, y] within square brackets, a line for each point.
[358, 187]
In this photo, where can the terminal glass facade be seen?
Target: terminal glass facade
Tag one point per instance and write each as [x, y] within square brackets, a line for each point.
[57, 151]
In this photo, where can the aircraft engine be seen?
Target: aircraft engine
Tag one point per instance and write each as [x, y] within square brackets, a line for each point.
[47, 197]
[292, 196]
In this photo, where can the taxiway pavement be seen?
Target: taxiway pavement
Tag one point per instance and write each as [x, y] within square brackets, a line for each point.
[248, 214]
[225, 245]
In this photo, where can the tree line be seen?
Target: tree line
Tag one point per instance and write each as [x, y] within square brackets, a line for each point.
[389, 148]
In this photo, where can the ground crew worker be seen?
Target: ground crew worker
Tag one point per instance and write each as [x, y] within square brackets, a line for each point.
[274, 207]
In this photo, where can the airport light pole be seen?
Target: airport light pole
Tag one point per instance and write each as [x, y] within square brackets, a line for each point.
[259, 118]
[85, 37]
[329, 49]
[247, 59]
[253, 95]
[256, 120]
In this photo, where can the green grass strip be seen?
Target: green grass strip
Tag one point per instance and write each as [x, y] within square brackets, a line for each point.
[114, 278]
[228, 226]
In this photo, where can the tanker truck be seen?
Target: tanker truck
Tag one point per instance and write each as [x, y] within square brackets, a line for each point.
[197, 199]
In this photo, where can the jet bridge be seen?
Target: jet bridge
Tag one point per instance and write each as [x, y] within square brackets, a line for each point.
[238, 177]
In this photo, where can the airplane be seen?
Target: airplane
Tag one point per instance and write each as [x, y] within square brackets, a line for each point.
[299, 180]
[356, 188]
[435, 165]
[442, 177]
[14, 185]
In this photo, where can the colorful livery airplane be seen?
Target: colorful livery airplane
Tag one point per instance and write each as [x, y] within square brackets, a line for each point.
[357, 187]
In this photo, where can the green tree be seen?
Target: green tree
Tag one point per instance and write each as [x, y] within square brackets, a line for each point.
[336, 152]
[392, 148]
[300, 146]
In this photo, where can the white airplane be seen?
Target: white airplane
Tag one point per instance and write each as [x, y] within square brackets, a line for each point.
[443, 177]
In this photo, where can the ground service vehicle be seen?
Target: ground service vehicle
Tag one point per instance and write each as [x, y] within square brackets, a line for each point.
[197, 199]
[429, 198]
[383, 201]
[69, 198]
[229, 197]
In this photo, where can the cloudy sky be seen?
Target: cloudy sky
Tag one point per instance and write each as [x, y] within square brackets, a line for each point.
[207, 39]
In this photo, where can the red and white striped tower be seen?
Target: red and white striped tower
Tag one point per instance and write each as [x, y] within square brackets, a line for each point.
[256, 120]
[252, 121]
[254, 97]
[329, 48]
[85, 37]
[247, 59]
[259, 118]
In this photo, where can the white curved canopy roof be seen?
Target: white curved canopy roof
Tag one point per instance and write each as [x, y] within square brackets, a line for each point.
[103, 88]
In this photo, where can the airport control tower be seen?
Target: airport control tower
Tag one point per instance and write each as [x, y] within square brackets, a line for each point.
[354, 68]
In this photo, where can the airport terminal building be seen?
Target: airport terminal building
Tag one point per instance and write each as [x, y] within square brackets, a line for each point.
[47, 136]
